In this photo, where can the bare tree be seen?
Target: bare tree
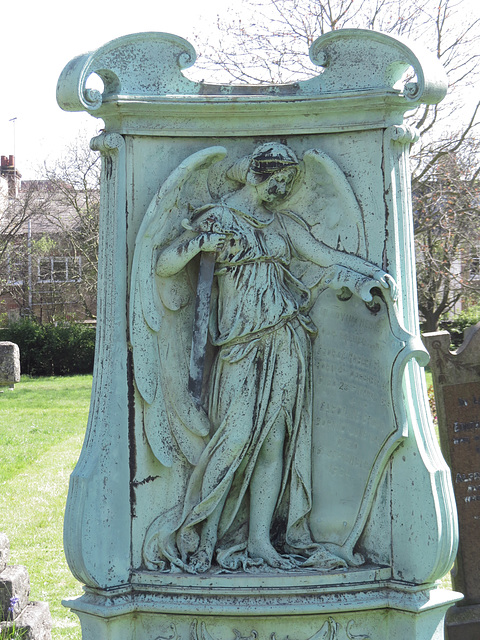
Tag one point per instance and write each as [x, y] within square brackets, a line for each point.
[269, 42]
[17, 214]
[49, 239]
[447, 218]
[74, 180]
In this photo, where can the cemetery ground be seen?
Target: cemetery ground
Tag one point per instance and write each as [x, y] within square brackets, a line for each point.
[43, 423]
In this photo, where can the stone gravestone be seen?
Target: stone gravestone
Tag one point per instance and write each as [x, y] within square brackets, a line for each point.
[20, 617]
[259, 461]
[456, 381]
[9, 364]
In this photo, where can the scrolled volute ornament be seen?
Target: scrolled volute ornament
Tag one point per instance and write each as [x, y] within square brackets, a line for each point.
[125, 68]
[344, 53]
[404, 134]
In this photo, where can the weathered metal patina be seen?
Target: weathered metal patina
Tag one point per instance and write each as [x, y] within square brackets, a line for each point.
[293, 487]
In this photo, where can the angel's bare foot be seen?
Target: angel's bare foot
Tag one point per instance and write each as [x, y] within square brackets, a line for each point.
[264, 550]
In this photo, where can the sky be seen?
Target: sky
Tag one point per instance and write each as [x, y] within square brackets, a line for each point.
[38, 38]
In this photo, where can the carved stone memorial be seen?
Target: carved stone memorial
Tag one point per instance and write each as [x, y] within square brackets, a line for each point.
[259, 460]
[9, 365]
[456, 378]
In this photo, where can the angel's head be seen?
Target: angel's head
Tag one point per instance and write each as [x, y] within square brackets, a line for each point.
[271, 169]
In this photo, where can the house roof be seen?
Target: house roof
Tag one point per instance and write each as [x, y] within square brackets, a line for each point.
[49, 210]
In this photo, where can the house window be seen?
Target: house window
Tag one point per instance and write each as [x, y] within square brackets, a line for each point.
[59, 269]
[16, 271]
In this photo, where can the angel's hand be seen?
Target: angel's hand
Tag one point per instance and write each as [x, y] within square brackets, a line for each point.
[386, 281]
[209, 241]
[360, 284]
[176, 256]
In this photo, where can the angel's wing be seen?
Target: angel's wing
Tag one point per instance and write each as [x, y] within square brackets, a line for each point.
[325, 201]
[161, 316]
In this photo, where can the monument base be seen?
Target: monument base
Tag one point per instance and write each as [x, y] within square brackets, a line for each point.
[361, 604]
[463, 622]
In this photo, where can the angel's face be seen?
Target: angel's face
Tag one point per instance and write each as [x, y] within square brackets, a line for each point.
[277, 186]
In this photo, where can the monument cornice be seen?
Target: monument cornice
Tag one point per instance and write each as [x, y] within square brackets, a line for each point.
[245, 115]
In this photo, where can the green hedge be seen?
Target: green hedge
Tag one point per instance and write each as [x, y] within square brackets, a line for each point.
[462, 321]
[52, 349]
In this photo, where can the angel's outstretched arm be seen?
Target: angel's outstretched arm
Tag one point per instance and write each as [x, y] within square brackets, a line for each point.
[316, 251]
[174, 257]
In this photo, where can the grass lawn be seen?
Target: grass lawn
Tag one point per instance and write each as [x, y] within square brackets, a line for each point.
[428, 376]
[42, 422]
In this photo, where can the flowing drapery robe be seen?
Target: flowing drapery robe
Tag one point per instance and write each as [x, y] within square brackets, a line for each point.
[261, 373]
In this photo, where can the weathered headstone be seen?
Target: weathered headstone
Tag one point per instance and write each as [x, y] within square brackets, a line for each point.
[9, 364]
[4, 551]
[259, 460]
[30, 620]
[456, 382]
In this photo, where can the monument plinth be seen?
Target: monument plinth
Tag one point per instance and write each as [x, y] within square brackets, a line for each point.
[259, 461]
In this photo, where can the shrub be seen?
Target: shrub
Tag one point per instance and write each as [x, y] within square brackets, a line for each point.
[457, 326]
[52, 349]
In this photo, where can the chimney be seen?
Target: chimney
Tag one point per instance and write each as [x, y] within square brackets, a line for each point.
[10, 173]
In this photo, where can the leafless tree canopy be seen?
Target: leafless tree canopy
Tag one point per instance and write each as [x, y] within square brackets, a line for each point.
[49, 239]
[75, 181]
[447, 218]
[268, 41]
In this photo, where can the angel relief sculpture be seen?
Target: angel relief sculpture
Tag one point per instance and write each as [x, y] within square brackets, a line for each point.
[247, 442]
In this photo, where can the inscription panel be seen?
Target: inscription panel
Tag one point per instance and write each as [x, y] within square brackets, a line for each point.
[354, 416]
[462, 415]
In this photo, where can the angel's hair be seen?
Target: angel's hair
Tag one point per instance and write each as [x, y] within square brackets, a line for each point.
[266, 160]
